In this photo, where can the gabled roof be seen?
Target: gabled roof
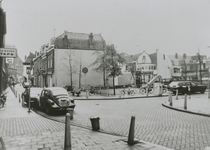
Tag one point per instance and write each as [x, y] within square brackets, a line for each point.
[153, 58]
[79, 41]
[131, 58]
[29, 58]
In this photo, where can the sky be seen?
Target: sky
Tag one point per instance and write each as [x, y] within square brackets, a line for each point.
[133, 26]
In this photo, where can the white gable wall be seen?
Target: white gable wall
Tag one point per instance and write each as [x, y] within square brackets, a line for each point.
[164, 66]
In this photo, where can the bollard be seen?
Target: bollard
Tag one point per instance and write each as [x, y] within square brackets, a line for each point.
[67, 140]
[15, 94]
[19, 98]
[23, 101]
[185, 101]
[71, 112]
[147, 91]
[177, 94]
[170, 99]
[131, 140]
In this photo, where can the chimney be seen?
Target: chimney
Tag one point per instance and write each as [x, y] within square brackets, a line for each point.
[25, 57]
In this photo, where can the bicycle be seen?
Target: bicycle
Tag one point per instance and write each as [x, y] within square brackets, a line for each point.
[3, 99]
[129, 92]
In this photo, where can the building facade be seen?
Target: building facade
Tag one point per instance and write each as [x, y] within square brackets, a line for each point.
[60, 62]
[141, 68]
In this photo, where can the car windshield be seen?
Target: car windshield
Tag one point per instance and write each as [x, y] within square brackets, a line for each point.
[56, 92]
[173, 84]
[35, 91]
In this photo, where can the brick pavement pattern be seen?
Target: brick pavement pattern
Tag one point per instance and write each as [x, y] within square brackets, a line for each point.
[154, 123]
[29, 131]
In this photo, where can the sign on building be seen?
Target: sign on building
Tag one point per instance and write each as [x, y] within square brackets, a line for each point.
[9, 60]
[8, 52]
[28, 70]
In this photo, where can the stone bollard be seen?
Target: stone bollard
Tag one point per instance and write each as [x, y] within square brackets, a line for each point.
[19, 97]
[177, 94]
[170, 98]
[71, 112]
[131, 140]
[67, 140]
[147, 91]
[15, 94]
[185, 101]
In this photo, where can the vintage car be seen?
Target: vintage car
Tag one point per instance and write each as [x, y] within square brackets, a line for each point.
[181, 86]
[54, 99]
[34, 95]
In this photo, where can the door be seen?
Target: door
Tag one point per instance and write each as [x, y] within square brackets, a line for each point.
[42, 99]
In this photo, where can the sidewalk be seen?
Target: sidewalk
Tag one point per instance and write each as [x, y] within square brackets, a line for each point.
[196, 104]
[21, 130]
[83, 96]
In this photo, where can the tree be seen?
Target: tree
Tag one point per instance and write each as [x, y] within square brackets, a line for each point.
[176, 56]
[184, 56]
[69, 63]
[185, 67]
[109, 61]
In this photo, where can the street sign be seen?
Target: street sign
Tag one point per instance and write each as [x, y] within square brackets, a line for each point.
[8, 52]
[85, 70]
[9, 60]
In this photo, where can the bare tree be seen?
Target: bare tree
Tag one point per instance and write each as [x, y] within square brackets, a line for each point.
[70, 64]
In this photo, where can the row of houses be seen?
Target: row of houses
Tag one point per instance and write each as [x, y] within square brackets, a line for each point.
[60, 63]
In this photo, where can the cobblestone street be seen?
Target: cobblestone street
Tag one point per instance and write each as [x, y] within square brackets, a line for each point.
[154, 123]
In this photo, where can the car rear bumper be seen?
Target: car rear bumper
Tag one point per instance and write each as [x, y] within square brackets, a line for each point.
[62, 108]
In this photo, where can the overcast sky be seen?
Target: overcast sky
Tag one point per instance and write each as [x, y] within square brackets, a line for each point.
[133, 26]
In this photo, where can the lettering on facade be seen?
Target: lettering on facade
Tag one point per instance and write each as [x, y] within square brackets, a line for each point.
[7, 52]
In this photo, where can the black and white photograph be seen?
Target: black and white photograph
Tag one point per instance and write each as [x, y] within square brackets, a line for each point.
[105, 74]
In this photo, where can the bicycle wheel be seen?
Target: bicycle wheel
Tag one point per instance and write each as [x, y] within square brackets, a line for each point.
[142, 91]
[132, 93]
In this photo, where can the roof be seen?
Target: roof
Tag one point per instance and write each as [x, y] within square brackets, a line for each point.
[79, 41]
[153, 58]
[30, 58]
[131, 58]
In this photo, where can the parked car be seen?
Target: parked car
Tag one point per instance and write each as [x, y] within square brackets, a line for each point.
[182, 86]
[54, 99]
[34, 95]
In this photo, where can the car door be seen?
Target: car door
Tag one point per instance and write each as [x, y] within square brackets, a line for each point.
[42, 99]
[193, 87]
[45, 98]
